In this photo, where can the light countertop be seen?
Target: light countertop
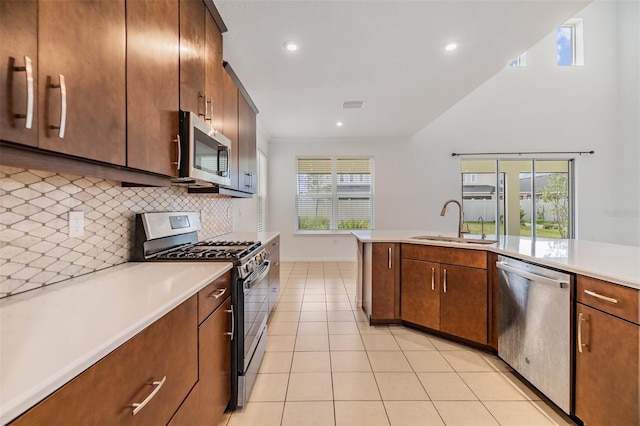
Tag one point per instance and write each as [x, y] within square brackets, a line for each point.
[50, 335]
[610, 262]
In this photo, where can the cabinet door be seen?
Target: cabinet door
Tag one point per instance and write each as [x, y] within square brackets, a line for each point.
[230, 123]
[83, 41]
[104, 394]
[463, 304]
[385, 281]
[152, 85]
[420, 293]
[19, 35]
[607, 378]
[274, 272]
[247, 165]
[192, 59]
[213, 72]
[215, 364]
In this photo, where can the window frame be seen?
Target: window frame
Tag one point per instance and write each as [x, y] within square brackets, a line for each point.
[575, 25]
[501, 202]
[334, 195]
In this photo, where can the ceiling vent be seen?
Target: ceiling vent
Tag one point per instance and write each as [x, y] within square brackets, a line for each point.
[352, 104]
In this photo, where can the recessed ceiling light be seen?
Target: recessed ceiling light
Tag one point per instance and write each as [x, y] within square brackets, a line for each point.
[452, 45]
[339, 124]
[291, 46]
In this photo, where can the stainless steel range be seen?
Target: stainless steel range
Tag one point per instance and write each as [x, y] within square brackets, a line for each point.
[173, 236]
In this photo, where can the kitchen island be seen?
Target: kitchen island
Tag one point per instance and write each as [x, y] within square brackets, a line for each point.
[472, 293]
[609, 262]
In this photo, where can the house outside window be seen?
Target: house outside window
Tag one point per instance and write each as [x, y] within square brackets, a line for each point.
[334, 194]
[528, 198]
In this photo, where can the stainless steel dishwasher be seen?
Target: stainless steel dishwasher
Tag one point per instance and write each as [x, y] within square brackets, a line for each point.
[534, 326]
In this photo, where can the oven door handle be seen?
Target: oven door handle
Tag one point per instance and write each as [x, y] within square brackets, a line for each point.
[258, 275]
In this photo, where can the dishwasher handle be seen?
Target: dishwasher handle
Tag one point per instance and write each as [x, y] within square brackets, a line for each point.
[530, 276]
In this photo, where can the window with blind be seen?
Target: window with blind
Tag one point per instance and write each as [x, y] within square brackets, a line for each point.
[334, 193]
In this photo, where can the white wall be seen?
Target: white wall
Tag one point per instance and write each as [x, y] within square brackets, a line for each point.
[245, 210]
[540, 107]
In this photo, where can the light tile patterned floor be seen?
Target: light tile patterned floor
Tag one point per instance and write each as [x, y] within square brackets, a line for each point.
[326, 366]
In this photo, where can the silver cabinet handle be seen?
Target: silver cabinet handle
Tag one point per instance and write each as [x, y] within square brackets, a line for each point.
[218, 293]
[233, 322]
[28, 71]
[204, 97]
[63, 106]
[177, 163]
[137, 406]
[433, 279]
[601, 297]
[208, 115]
[444, 281]
[581, 345]
[389, 258]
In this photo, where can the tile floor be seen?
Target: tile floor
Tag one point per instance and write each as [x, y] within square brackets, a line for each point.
[326, 366]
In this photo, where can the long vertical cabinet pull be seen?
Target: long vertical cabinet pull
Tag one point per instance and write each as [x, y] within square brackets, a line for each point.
[233, 322]
[390, 265]
[444, 281]
[581, 319]
[179, 160]
[433, 279]
[63, 106]
[28, 71]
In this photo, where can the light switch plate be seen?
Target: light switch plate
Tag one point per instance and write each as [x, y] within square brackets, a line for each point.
[76, 224]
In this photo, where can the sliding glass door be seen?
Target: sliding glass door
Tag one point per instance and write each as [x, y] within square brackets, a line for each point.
[518, 197]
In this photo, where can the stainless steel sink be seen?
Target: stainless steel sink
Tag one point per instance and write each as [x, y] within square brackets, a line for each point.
[453, 239]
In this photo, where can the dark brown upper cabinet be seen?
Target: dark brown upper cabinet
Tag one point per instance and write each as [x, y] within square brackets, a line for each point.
[153, 85]
[65, 74]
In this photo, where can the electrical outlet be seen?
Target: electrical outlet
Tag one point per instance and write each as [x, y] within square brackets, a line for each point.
[203, 216]
[229, 213]
[76, 224]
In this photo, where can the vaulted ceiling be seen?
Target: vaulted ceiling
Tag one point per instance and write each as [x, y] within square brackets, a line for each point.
[386, 53]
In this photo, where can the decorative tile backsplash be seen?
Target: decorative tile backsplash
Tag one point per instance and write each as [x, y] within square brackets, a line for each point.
[35, 248]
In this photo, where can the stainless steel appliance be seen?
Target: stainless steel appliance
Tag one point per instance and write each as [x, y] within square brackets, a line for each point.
[534, 317]
[173, 236]
[204, 153]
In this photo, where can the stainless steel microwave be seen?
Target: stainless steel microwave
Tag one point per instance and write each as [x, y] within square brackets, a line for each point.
[205, 153]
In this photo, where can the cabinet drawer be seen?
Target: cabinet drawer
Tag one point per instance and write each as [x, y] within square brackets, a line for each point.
[104, 393]
[212, 296]
[452, 256]
[608, 297]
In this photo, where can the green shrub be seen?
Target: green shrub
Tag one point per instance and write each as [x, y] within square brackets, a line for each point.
[314, 222]
[354, 224]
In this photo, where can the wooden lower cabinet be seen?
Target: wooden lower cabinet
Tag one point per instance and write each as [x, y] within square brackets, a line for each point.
[385, 282]
[104, 393]
[189, 412]
[607, 373]
[274, 272]
[463, 302]
[215, 364]
[451, 298]
[420, 293]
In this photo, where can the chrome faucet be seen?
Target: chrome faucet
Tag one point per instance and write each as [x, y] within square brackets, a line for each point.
[481, 220]
[461, 218]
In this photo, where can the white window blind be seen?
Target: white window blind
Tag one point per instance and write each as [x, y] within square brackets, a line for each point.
[334, 193]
